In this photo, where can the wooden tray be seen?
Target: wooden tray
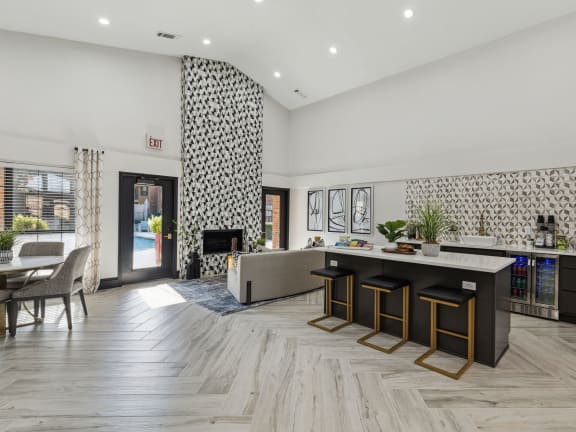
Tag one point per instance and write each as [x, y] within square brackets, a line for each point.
[398, 251]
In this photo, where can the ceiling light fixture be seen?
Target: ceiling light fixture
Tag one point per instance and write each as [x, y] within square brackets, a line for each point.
[277, 75]
[206, 41]
[333, 50]
[258, 1]
[104, 21]
[408, 13]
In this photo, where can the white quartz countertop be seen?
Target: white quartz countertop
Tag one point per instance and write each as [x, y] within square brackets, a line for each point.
[479, 263]
[511, 248]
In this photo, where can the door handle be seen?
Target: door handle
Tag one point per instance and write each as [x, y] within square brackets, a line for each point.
[168, 236]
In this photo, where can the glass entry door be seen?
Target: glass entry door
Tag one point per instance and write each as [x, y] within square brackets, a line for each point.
[275, 217]
[147, 239]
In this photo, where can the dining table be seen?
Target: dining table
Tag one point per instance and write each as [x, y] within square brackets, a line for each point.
[21, 265]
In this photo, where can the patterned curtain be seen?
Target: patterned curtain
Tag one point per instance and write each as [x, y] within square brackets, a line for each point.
[88, 171]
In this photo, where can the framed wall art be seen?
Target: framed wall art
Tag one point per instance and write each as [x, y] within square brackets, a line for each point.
[361, 210]
[316, 210]
[337, 210]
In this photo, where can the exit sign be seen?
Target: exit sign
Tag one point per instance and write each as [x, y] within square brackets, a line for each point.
[154, 143]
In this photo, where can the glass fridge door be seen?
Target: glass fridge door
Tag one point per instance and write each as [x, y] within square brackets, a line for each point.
[546, 280]
[520, 278]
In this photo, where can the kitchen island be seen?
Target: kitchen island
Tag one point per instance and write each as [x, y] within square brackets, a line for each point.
[491, 276]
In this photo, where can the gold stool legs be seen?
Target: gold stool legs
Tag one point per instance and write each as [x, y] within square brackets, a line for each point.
[434, 330]
[349, 304]
[377, 315]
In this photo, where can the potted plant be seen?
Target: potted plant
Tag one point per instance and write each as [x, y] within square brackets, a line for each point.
[392, 230]
[155, 226]
[7, 239]
[432, 223]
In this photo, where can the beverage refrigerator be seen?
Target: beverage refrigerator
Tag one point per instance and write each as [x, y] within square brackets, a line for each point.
[535, 284]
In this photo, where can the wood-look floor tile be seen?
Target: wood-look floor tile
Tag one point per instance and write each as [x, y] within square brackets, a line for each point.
[133, 366]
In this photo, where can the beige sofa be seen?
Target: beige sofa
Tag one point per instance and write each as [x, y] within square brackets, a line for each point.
[269, 275]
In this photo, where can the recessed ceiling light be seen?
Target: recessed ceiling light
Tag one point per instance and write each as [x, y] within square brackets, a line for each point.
[258, 1]
[206, 41]
[277, 74]
[104, 21]
[333, 50]
[408, 13]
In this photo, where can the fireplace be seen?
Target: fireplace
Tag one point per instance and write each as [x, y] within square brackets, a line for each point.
[220, 241]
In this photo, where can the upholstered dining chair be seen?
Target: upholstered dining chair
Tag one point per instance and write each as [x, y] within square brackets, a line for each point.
[32, 249]
[64, 282]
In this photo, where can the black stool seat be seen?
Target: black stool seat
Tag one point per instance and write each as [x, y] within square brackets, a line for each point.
[385, 282]
[332, 272]
[457, 296]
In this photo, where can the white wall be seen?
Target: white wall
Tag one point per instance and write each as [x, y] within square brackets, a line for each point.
[388, 205]
[509, 105]
[56, 95]
[276, 129]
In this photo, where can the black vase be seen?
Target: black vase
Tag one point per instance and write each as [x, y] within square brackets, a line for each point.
[193, 267]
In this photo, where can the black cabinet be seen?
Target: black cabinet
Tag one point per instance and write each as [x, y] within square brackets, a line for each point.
[567, 294]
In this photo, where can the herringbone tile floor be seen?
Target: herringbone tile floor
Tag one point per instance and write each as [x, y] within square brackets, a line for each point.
[145, 361]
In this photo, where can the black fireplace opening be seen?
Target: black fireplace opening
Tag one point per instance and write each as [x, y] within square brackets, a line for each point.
[220, 241]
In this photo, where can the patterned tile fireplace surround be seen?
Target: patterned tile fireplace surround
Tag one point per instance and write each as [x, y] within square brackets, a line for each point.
[510, 201]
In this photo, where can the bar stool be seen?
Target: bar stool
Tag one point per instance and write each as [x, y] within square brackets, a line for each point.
[453, 298]
[383, 284]
[330, 275]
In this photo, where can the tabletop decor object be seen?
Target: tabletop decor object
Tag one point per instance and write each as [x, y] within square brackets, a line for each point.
[432, 223]
[7, 239]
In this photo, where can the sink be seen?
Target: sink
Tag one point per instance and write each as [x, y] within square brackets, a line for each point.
[479, 240]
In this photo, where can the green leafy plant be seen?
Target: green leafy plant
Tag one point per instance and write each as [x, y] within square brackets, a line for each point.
[155, 224]
[432, 221]
[7, 239]
[23, 223]
[392, 230]
[261, 241]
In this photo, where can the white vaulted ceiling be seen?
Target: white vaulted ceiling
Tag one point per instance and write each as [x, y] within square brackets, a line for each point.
[291, 37]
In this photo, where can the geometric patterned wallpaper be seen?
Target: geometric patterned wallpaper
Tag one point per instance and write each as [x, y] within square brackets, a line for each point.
[510, 201]
[222, 113]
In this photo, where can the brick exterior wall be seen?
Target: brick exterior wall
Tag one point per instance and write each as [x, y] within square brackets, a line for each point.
[275, 221]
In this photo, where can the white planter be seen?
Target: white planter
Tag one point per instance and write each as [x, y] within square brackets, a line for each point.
[431, 249]
[6, 256]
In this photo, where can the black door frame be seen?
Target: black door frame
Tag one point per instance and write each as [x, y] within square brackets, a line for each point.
[125, 237]
[284, 213]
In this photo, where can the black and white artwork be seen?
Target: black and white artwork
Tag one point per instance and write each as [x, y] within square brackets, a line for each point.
[316, 210]
[361, 210]
[337, 210]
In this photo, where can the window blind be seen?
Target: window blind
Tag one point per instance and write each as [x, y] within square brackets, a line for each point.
[37, 201]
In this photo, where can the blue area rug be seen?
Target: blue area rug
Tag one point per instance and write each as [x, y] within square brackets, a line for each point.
[212, 294]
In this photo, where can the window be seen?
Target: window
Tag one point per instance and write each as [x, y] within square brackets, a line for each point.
[39, 203]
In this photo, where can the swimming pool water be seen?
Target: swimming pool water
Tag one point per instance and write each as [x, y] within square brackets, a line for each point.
[141, 243]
